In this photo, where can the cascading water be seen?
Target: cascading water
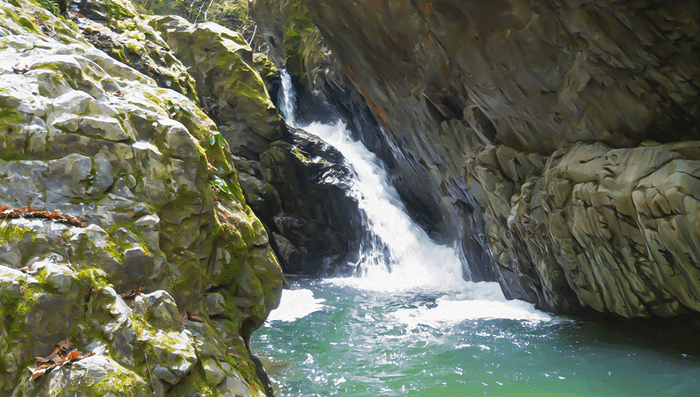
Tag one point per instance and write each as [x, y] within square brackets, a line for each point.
[285, 100]
[409, 324]
[398, 254]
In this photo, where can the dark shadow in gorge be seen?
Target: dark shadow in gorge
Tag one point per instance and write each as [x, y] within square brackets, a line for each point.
[674, 338]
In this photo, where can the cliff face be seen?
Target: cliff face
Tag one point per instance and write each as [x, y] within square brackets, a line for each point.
[294, 185]
[556, 140]
[123, 225]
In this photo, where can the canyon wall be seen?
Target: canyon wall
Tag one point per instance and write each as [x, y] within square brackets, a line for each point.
[556, 141]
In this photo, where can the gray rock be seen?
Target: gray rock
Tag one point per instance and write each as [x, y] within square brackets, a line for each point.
[107, 128]
[137, 266]
[213, 374]
[159, 308]
[216, 303]
[92, 375]
[68, 177]
[73, 103]
[234, 386]
[89, 137]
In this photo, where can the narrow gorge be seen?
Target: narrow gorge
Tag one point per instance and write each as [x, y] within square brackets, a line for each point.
[554, 140]
[442, 197]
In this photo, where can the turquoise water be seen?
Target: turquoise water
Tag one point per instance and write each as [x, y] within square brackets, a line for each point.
[412, 343]
[408, 324]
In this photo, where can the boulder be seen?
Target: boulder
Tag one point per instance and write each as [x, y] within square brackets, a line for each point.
[318, 225]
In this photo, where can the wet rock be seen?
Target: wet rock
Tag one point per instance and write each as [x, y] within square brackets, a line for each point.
[318, 221]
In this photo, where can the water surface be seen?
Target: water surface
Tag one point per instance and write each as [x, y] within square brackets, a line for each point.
[409, 324]
[369, 343]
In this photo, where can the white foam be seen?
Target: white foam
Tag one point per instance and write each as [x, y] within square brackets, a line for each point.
[295, 304]
[450, 312]
[400, 256]
[414, 260]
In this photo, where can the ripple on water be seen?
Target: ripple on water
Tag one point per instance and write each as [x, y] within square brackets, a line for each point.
[363, 343]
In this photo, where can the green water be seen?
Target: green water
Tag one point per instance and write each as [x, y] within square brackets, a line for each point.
[369, 343]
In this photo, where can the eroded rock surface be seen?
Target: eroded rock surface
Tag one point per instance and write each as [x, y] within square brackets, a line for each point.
[481, 102]
[166, 223]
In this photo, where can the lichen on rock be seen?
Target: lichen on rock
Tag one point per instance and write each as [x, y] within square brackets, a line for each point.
[92, 138]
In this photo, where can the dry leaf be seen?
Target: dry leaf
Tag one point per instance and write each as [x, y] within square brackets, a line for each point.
[133, 292]
[65, 344]
[31, 212]
[61, 355]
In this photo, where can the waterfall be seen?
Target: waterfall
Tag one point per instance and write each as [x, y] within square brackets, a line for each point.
[407, 322]
[286, 99]
[399, 255]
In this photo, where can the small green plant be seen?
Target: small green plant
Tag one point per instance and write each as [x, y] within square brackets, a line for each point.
[220, 187]
[49, 5]
[54, 7]
[217, 137]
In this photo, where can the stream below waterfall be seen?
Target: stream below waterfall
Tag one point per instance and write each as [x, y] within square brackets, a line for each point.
[407, 324]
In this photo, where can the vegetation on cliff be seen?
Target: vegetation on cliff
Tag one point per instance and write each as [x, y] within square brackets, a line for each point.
[166, 271]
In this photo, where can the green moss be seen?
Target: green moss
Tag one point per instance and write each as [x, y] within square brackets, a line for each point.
[205, 388]
[122, 381]
[11, 121]
[12, 234]
[264, 66]
[28, 24]
[118, 9]
[302, 40]
[49, 5]
[16, 307]
[93, 277]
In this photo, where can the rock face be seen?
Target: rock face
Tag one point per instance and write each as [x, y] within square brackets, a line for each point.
[230, 88]
[295, 183]
[87, 137]
[554, 138]
[314, 221]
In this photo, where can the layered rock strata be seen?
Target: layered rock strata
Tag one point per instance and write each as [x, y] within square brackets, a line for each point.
[171, 271]
[482, 101]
